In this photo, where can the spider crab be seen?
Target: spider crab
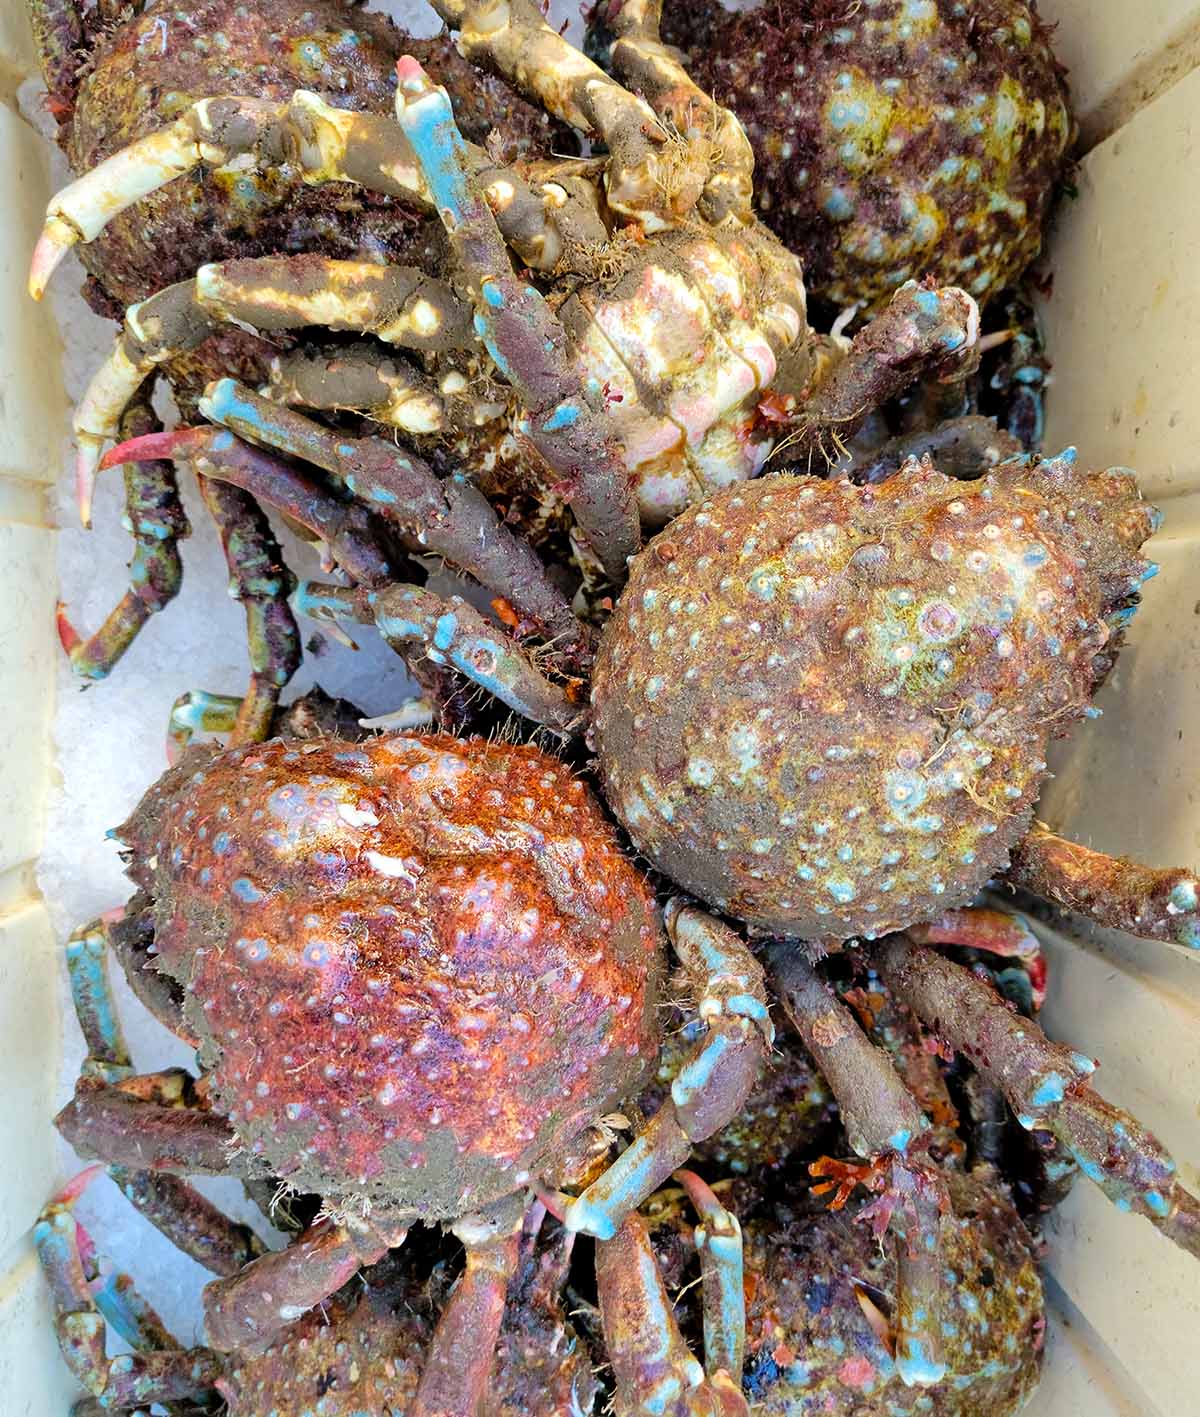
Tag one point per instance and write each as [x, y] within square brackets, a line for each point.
[420, 975]
[823, 710]
[143, 64]
[650, 345]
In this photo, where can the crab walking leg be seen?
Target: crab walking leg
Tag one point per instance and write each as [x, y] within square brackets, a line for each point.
[398, 304]
[449, 519]
[87, 971]
[1046, 1085]
[521, 333]
[260, 580]
[189, 1220]
[248, 1309]
[882, 1121]
[157, 522]
[359, 378]
[131, 1380]
[110, 1122]
[965, 447]
[459, 1360]
[342, 525]
[1000, 932]
[718, 1238]
[325, 144]
[1151, 903]
[920, 332]
[652, 68]
[654, 1370]
[198, 711]
[454, 634]
[512, 37]
[710, 1088]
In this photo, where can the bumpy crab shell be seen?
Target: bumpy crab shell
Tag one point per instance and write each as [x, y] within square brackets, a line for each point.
[893, 139]
[824, 708]
[812, 1350]
[459, 964]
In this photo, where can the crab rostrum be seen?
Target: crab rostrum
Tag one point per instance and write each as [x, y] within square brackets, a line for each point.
[420, 974]
[650, 344]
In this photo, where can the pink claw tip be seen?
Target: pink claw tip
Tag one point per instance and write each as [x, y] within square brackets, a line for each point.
[148, 446]
[46, 255]
[68, 636]
[411, 76]
[76, 1186]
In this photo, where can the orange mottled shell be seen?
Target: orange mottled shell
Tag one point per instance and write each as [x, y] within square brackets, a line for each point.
[419, 966]
[824, 708]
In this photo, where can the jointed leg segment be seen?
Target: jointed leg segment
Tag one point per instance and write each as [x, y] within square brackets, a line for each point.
[711, 1086]
[884, 1125]
[1046, 1084]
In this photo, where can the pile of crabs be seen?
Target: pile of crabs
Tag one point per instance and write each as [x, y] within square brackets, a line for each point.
[763, 637]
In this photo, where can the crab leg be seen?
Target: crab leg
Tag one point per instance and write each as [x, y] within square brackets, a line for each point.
[454, 633]
[324, 143]
[459, 1360]
[712, 1085]
[524, 338]
[1000, 932]
[244, 1311]
[512, 37]
[1153, 904]
[157, 522]
[718, 1238]
[449, 519]
[965, 447]
[260, 580]
[356, 377]
[87, 970]
[882, 1121]
[654, 1370]
[342, 525]
[190, 1221]
[653, 69]
[112, 1122]
[1046, 1085]
[922, 330]
[131, 1380]
[397, 304]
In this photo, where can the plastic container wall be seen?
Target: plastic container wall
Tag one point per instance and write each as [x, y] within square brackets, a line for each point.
[1124, 329]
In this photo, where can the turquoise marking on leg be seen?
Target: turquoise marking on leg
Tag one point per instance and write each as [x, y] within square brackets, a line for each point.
[564, 416]
[127, 1313]
[725, 1321]
[95, 1008]
[623, 1186]
[695, 1075]
[916, 1366]
[445, 630]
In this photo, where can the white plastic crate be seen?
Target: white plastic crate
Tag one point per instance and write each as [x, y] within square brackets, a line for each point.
[1124, 329]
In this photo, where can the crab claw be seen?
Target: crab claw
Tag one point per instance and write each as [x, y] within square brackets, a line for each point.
[57, 238]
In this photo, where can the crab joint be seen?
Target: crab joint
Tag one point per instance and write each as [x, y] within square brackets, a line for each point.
[455, 634]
